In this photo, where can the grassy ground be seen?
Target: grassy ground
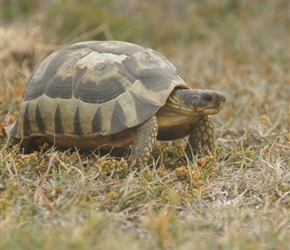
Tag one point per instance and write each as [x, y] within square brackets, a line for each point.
[238, 198]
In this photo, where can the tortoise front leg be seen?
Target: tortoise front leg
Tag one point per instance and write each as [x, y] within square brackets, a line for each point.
[201, 139]
[144, 140]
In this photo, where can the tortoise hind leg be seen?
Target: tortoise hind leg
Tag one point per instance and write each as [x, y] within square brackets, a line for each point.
[143, 141]
[201, 139]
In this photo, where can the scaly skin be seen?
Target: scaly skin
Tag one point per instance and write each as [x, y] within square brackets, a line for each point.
[144, 141]
[201, 139]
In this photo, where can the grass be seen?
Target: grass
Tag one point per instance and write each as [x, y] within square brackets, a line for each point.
[238, 198]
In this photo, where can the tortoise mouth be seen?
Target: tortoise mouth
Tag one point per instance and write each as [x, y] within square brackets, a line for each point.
[211, 111]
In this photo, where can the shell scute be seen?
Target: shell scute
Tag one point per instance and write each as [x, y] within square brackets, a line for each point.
[77, 123]
[26, 122]
[97, 122]
[58, 126]
[113, 47]
[39, 120]
[119, 118]
[59, 87]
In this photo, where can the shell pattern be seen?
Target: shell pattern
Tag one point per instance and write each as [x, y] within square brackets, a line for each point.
[95, 88]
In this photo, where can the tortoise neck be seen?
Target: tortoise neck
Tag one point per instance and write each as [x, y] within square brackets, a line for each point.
[175, 106]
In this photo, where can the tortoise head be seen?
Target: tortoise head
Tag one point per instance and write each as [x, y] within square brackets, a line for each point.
[194, 102]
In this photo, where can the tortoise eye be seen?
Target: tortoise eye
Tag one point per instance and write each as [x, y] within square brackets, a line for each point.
[207, 98]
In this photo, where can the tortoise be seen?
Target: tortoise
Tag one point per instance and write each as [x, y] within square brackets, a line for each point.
[112, 93]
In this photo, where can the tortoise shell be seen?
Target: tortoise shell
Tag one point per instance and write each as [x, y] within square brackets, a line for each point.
[95, 88]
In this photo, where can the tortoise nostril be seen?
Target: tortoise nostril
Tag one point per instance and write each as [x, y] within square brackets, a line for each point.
[207, 98]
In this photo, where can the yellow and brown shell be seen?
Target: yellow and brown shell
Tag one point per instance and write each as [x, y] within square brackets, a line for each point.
[94, 89]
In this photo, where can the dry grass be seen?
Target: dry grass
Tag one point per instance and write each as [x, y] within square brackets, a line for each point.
[236, 199]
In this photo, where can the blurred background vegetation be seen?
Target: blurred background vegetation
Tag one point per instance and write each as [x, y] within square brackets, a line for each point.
[151, 22]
